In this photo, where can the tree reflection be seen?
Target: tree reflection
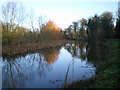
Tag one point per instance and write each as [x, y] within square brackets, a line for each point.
[51, 55]
[82, 46]
[71, 64]
[17, 72]
[77, 49]
[97, 52]
[10, 71]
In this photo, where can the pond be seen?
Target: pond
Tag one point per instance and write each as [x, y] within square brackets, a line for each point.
[48, 68]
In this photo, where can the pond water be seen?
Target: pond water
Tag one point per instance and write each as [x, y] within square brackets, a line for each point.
[48, 68]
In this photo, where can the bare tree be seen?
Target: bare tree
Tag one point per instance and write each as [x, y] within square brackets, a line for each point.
[12, 15]
[32, 20]
[41, 21]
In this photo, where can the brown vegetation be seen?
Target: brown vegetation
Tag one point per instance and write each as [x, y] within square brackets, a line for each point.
[30, 47]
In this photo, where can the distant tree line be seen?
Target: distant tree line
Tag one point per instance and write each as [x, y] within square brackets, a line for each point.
[94, 28]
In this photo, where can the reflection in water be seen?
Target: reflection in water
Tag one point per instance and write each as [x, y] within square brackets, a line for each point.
[77, 49]
[97, 52]
[51, 55]
[26, 68]
[48, 68]
[66, 76]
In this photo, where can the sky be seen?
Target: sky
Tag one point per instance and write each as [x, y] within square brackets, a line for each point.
[64, 12]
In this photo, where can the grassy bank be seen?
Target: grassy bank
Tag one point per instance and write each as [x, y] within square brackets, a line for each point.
[107, 75]
[8, 50]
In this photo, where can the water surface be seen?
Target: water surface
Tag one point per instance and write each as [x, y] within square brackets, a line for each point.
[48, 68]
